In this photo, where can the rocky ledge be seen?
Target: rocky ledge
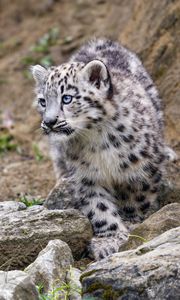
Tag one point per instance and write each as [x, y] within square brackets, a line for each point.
[149, 272]
[24, 233]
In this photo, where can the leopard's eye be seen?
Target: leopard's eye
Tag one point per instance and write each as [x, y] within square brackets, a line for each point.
[42, 102]
[66, 99]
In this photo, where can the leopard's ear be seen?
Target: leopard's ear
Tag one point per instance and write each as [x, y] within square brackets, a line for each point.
[94, 72]
[39, 73]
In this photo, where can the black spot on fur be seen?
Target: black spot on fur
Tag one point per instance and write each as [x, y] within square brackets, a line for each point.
[88, 182]
[121, 128]
[101, 256]
[157, 177]
[147, 138]
[114, 213]
[113, 227]
[99, 224]
[115, 117]
[78, 97]
[150, 169]
[124, 165]
[125, 112]
[113, 140]
[145, 153]
[91, 93]
[145, 186]
[91, 194]
[128, 209]
[105, 146]
[154, 190]
[85, 163]
[72, 87]
[84, 202]
[155, 149]
[65, 79]
[124, 196]
[62, 89]
[89, 126]
[145, 206]
[102, 206]
[90, 214]
[140, 198]
[133, 158]
[126, 139]
[73, 156]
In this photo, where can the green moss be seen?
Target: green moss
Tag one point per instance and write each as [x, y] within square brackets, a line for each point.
[107, 292]
[143, 250]
[7, 143]
[29, 201]
[37, 153]
[159, 72]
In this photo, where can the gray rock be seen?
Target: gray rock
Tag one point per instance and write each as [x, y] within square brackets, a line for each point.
[11, 206]
[50, 268]
[59, 197]
[17, 285]
[149, 272]
[25, 233]
[159, 222]
[73, 278]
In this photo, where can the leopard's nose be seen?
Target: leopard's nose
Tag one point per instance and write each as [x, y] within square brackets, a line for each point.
[50, 122]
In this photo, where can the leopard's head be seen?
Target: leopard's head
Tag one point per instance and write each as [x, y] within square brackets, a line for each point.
[73, 97]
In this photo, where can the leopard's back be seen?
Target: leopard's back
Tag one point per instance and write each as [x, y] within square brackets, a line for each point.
[120, 59]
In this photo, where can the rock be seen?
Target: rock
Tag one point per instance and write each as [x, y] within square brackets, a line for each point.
[73, 279]
[17, 285]
[51, 266]
[170, 193]
[11, 206]
[25, 233]
[148, 272]
[159, 222]
[59, 197]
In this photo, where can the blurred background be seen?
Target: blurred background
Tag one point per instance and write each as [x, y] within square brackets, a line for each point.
[48, 32]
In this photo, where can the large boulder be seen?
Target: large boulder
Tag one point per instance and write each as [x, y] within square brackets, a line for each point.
[25, 233]
[159, 222]
[149, 272]
[17, 285]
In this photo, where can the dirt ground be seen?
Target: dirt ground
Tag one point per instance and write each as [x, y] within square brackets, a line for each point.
[48, 32]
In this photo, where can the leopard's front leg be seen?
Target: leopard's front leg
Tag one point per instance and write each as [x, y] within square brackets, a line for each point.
[109, 230]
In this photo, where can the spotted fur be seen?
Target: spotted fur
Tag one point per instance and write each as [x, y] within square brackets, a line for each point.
[107, 143]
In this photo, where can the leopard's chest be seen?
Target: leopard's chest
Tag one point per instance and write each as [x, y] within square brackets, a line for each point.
[103, 166]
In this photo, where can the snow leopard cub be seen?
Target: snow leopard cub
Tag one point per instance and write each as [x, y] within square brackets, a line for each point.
[102, 114]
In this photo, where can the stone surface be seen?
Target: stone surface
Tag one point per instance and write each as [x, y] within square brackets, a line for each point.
[170, 193]
[25, 233]
[73, 278]
[159, 222]
[11, 206]
[17, 285]
[50, 268]
[59, 197]
[149, 272]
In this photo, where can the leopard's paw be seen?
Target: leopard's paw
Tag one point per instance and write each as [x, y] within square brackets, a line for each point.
[101, 247]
